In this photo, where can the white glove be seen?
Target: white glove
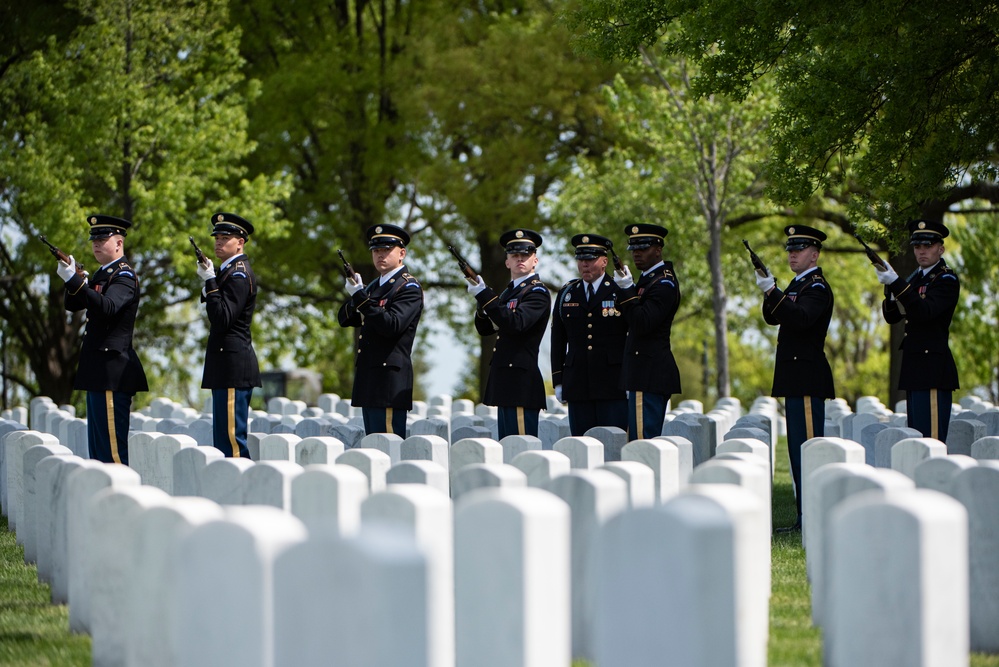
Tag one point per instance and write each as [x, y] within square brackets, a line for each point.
[623, 278]
[886, 277]
[477, 287]
[558, 393]
[206, 272]
[356, 286]
[765, 283]
[67, 271]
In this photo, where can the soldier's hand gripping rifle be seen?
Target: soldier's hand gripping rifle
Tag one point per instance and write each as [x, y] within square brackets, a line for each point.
[61, 256]
[470, 275]
[618, 264]
[758, 264]
[197, 252]
[871, 255]
[347, 269]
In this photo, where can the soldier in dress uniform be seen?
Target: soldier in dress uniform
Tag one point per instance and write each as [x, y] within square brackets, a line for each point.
[388, 312]
[519, 314]
[231, 369]
[926, 301]
[649, 372]
[587, 343]
[801, 373]
[109, 371]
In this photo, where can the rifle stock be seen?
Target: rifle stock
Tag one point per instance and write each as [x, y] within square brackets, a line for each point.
[469, 273]
[197, 252]
[618, 264]
[346, 269]
[871, 255]
[60, 255]
[758, 264]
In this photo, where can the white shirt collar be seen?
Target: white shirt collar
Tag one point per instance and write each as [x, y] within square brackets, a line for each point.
[518, 281]
[388, 276]
[229, 261]
[805, 273]
[650, 270]
[926, 271]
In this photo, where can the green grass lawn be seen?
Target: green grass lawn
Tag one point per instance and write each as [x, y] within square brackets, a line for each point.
[35, 632]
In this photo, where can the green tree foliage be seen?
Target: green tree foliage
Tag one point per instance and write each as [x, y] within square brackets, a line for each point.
[511, 106]
[139, 113]
[974, 341]
[906, 92]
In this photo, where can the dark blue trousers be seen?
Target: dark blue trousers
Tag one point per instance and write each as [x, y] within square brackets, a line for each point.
[928, 411]
[646, 412]
[516, 421]
[376, 420]
[107, 425]
[806, 418]
[230, 415]
[584, 415]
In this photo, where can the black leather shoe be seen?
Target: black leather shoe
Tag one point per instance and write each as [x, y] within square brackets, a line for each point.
[790, 529]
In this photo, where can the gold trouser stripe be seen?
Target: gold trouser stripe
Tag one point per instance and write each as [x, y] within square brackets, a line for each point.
[639, 415]
[388, 420]
[809, 429]
[112, 435]
[934, 420]
[231, 421]
[521, 428]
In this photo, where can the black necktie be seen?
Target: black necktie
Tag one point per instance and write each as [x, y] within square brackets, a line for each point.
[589, 292]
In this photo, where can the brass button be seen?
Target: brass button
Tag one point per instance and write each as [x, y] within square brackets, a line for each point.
[589, 314]
[589, 337]
[590, 325]
[589, 347]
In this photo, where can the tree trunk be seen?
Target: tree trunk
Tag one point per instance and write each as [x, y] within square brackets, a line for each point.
[719, 305]
[496, 276]
[904, 264]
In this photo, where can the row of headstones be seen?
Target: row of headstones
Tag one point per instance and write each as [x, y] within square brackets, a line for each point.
[903, 547]
[910, 550]
[971, 419]
[906, 454]
[530, 577]
[705, 431]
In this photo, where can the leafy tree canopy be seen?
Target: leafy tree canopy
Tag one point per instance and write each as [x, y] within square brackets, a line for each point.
[904, 92]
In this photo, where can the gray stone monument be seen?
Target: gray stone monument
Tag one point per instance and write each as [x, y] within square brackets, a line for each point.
[520, 613]
[898, 593]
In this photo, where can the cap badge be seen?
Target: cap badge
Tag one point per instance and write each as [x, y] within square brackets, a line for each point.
[922, 225]
[93, 220]
[378, 229]
[790, 230]
[586, 239]
[634, 230]
[220, 217]
[520, 234]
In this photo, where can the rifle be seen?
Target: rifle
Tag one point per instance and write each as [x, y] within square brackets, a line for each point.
[197, 252]
[758, 264]
[470, 274]
[871, 255]
[348, 270]
[61, 256]
[618, 264]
